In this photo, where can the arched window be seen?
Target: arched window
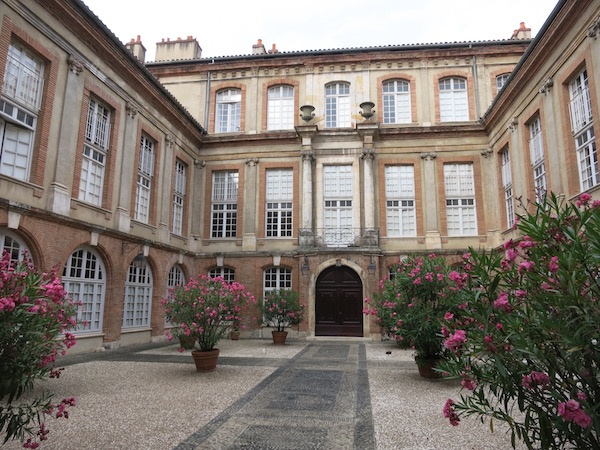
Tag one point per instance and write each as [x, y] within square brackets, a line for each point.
[276, 278]
[84, 279]
[138, 297]
[454, 103]
[337, 105]
[280, 111]
[396, 102]
[229, 111]
[224, 272]
[10, 242]
[176, 278]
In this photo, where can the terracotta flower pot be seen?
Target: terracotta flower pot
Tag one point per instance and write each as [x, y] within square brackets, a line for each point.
[279, 337]
[426, 369]
[234, 335]
[206, 361]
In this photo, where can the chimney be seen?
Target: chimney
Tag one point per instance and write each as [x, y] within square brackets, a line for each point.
[522, 32]
[138, 50]
[258, 49]
[177, 50]
[274, 49]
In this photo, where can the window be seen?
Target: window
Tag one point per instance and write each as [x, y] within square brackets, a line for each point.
[95, 149]
[400, 201]
[277, 278]
[501, 81]
[138, 297]
[454, 104]
[461, 215]
[144, 180]
[337, 105]
[178, 197]
[396, 102]
[229, 110]
[536, 151]
[174, 279]
[508, 188]
[338, 220]
[84, 280]
[15, 247]
[279, 199]
[19, 108]
[580, 108]
[224, 272]
[224, 204]
[280, 111]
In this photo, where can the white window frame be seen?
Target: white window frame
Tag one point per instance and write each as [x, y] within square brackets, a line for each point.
[501, 81]
[179, 197]
[279, 199]
[396, 102]
[14, 245]
[224, 204]
[276, 278]
[454, 99]
[507, 186]
[461, 208]
[401, 218]
[95, 153]
[137, 305]
[280, 107]
[338, 212]
[227, 273]
[22, 92]
[337, 105]
[580, 109]
[536, 154]
[84, 279]
[144, 180]
[229, 111]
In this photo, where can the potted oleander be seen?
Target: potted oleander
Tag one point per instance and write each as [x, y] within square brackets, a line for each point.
[281, 309]
[204, 310]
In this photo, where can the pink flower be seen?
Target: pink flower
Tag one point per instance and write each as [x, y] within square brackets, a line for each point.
[526, 266]
[503, 303]
[468, 384]
[450, 414]
[417, 281]
[583, 199]
[511, 254]
[535, 379]
[553, 264]
[448, 316]
[571, 411]
[456, 340]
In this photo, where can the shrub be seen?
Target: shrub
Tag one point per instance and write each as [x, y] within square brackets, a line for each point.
[35, 317]
[412, 303]
[205, 309]
[529, 348]
[282, 308]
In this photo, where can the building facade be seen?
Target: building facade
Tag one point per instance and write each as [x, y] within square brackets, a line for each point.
[314, 171]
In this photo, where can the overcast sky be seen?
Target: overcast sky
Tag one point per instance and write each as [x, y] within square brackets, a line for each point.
[231, 27]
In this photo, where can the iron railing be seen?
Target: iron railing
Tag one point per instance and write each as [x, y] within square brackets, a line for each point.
[338, 237]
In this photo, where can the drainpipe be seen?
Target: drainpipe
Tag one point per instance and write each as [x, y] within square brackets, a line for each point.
[207, 110]
[476, 87]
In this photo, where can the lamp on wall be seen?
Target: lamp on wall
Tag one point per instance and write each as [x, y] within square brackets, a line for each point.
[140, 259]
[305, 267]
[372, 268]
[367, 109]
[307, 112]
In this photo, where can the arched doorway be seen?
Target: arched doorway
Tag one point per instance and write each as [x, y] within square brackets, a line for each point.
[339, 303]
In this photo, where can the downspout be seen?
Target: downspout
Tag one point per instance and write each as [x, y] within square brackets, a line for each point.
[476, 88]
[207, 106]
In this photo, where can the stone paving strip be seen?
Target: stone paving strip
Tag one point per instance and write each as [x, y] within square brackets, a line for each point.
[304, 395]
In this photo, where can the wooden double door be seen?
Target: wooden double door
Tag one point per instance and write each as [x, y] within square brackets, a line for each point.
[339, 303]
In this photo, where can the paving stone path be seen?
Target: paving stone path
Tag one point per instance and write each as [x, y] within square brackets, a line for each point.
[317, 400]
